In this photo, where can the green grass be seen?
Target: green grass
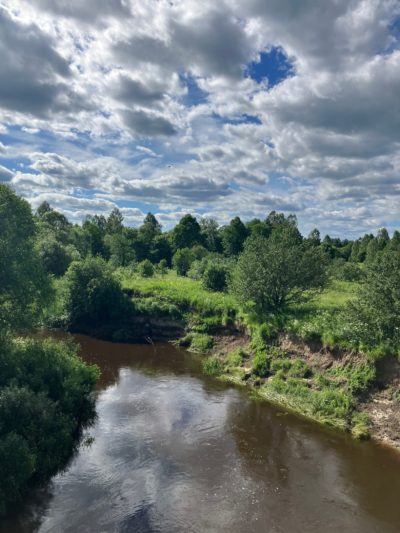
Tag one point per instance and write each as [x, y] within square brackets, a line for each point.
[183, 291]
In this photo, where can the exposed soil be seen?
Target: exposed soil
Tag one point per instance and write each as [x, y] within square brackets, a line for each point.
[384, 405]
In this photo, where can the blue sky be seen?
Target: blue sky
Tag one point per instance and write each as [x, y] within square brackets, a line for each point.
[218, 109]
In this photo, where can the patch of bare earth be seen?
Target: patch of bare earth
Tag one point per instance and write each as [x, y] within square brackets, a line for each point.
[383, 405]
[224, 344]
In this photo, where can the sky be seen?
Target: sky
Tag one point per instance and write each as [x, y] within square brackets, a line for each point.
[214, 108]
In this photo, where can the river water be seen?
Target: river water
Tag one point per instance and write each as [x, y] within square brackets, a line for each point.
[174, 451]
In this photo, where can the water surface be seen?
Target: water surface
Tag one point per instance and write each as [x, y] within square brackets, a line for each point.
[174, 451]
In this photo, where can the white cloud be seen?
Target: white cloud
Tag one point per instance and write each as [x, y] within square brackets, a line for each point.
[169, 75]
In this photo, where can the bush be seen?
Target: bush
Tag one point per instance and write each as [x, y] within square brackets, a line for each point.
[44, 398]
[273, 273]
[361, 425]
[215, 277]
[261, 365]
[292, 368]
[182, 260]
[201, 342]
[374, 317]
[93, 296]
[163, 267]
[236, 357]
[212, 366]
[146, 269]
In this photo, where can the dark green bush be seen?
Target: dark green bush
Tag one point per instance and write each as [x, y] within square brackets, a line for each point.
[261, 365]
[215, 277]
[146, 269]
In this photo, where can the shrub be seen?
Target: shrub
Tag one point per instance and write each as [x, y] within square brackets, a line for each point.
[163, 267]
[44, 398]
[212, 366]
[215, 277]
[146, 269]
[93, 296]
[182, 260]
[236, 357]
[261, 365]
[361, 425]
[201, 343]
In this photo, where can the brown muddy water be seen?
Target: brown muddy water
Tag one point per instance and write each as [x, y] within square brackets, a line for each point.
[175, 451]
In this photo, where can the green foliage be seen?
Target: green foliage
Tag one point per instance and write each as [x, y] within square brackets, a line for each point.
[215, 277]
[146, 269]
[212, 366]
[361, 425]
[162, 267]
[93, 295]
[201, 342]
[261, 365]
[295, 368]
[358, 377]
[187, 233]
[276, 272]
[44, 398]
[182, 260]
[374, 317]
[236, 357]
[54, 256]
[233, 237]
[24, 285]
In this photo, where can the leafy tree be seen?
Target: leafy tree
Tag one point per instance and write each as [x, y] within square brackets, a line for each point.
[160, 249]
[93, 295]
[257, 227]
[276, 272]
[24, 285]
[150, 227]
[395, 241]
[186, 233]
[375, 315]
[54, 256]
[314, 237]
[210, 234]
[233, 237]
[215, 277]
[162, 267]
[44, 397]
[114, 221]
[120, 248]
[146, 269]
[182, 260]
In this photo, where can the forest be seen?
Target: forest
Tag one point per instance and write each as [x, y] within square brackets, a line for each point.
[205, 285]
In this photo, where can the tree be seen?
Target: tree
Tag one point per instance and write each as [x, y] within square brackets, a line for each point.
[182, 261]
[93, 295]
[276, 272]
[120, 248]
[146, 269]
[114, 221]
[210, 234]
[150, 227]
[395, 241]
[54, 256]
[374, 316]
[215, 277]
[314, 237]
[186, 233]
[233, 237]
[24, 285]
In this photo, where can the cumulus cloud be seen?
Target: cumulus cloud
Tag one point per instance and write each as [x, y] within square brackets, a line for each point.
[151, 102]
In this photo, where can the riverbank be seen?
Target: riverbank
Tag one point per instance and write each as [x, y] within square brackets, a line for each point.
[298, 365]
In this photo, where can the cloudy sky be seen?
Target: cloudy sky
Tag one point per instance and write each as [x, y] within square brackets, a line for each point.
[215, 108]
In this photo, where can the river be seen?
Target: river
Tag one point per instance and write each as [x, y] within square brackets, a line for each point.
[174, 451]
